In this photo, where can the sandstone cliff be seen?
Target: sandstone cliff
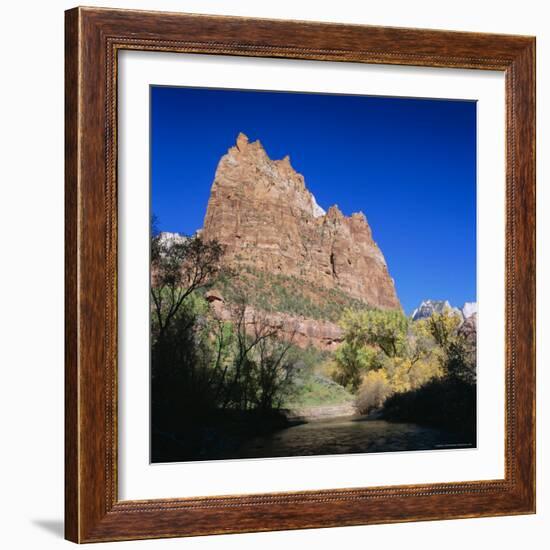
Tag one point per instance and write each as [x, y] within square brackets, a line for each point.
[261, 210]
[302, 331]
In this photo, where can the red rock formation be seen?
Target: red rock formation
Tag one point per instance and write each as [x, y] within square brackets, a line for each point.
[299, 330]
[261, 210]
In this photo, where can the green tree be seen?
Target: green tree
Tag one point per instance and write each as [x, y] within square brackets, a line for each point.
[353, 360]
[370, 336]
[260, 373]
[178, 268]
[384, 329]
[442, 327]
[458, 358]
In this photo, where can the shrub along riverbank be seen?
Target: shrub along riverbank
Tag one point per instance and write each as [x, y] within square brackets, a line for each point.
[442, 402]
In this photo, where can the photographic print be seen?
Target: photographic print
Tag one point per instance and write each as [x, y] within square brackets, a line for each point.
[312, 274]
[299, 275]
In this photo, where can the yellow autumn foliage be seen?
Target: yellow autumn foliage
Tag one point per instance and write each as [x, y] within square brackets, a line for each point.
[374, 390]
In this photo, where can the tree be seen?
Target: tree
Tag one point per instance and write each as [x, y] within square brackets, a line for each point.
[407, 352]
[178, 268]
[260, 373]
[274, 373]
[373, 392]
[458, 359]
[181, 374]
[370, 337]
[443, 327]
[353, 360]
[386, 330]
[182, 378]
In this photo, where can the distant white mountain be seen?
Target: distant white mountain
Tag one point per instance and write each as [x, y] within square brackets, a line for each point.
[428, 307]
[168, 238]
[468, 309]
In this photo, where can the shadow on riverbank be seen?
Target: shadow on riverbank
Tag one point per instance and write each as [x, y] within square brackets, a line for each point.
[217, 435]
[352, 435]
[238, 435]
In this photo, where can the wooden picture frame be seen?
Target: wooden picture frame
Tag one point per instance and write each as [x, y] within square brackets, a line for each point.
[93, 511]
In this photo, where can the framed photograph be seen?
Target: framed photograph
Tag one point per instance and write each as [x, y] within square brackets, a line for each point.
[300, 275]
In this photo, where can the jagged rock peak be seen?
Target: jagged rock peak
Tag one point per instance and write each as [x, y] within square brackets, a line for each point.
[242, 141]
[249, 158]
[166, 238]
[359, 216]
[243, 147]
[334, 213]
[263, 213]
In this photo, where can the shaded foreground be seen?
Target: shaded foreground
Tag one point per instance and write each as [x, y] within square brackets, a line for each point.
[236, 387]
[334, 436]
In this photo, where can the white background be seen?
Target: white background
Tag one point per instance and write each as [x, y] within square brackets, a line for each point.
[31, 122]
[140, 480]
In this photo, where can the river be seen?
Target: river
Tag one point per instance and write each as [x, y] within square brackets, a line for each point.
[349, 435]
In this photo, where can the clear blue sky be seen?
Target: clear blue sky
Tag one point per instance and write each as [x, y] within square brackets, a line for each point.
[408, 164]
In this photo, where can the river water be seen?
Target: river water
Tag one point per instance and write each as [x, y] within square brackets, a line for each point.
[349, 435]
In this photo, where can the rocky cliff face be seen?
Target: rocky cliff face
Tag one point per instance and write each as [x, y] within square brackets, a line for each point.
[261, 210]
[302, 331]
